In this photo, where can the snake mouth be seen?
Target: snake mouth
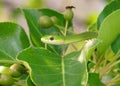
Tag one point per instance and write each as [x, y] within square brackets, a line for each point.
[43, 40]
[46, 41]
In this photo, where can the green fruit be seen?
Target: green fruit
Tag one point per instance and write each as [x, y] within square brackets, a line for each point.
[68, 14]
[4, 70]
[54, 19]
[16, 70]
[6, 80]
[45, 22]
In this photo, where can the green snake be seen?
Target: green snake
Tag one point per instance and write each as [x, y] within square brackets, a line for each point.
[60, 40]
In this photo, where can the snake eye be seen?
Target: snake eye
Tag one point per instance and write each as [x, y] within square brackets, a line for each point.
[51, 38]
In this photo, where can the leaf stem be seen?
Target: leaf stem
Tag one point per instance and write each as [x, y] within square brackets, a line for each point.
[113, 81]
[74, 47]
[108, 67]
[45, 46]
[66, 27]
[60, 28]
[63, 71]
[98, 64]
[63, 66]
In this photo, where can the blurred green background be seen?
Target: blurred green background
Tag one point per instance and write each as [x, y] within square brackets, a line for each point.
[85, 12]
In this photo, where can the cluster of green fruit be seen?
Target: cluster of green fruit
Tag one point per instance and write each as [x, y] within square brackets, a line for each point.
[47, 22]
[8, 76]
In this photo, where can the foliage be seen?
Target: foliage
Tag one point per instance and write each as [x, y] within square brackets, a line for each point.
[95, 63]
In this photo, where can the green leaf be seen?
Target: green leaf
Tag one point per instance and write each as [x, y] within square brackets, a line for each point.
[5, 56]
[108, 0]
[92, 27]
[111, 7]
[29, 82]
[94, 80]
[12, 40]
[36, 31]
[90, 65]
[109, 30]
[49, 69]
[116, 45]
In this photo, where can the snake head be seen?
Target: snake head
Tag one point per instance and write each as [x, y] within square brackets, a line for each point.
[50, 39]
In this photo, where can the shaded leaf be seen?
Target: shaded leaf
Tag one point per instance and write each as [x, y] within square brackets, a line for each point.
[116, 44]
[36, 31]
[94, 80]
[29, 82]
[49, 69]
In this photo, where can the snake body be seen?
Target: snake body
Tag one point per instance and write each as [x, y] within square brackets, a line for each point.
[59, 40]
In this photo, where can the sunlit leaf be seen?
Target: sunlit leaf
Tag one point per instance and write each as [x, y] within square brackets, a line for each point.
[109, 30]
[111, 7]
[12, 40]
